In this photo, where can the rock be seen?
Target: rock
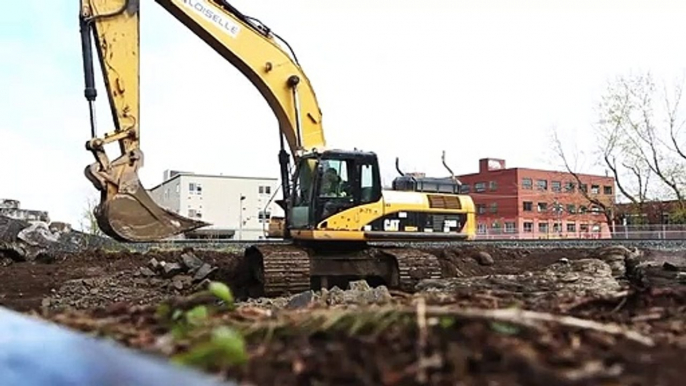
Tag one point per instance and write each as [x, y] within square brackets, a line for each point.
[192, 262]
[334, 296]
[182, 281]
[38, 235]
[60, 227]
[484, 258]
[154, 264]
[379, 295]
[359, 285]
[669, 267]
[146, 272]
[204, 272]
[301, 300]
[171, 269]
[620, 259]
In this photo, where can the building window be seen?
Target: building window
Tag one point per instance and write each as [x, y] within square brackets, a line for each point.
[595, 209]
[542, 184]
[571, 227]
[194, 188]
[527, 183]
[492, 186]
[527, 206]
[583, 209]
[528, 227]
[481, 208]
[481, 228]
[494, 207]
[191, 213]
[569, 187]
[595, 189]
[571, 208]
[557, 227]
[558, 208]
[583, 188]
[264, 216]
[555, 186]
[464, 189]
[583, 227]
[265, 189]
[543, 227]
[480, 187]
[542, 206]
[510, 227]
[607, 190]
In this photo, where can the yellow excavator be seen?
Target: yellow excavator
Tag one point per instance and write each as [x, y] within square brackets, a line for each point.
[339, 224]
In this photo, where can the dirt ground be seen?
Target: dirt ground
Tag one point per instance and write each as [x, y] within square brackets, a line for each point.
[445, 336]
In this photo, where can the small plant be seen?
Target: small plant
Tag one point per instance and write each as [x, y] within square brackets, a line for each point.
[224, 347]
[191, 322]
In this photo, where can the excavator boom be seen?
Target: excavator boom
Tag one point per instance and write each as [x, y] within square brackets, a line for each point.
[112, 27]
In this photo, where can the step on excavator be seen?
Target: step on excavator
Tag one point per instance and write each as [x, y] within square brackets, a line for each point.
[340, 223]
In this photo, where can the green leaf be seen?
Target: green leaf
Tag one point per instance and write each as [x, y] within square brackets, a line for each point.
[225, 347]
[446, 321]
[196, 315]
[221, 291]
[231, 343]
[505, 328]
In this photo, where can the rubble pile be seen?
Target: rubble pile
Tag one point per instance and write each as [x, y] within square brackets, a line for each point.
[358, 293]
[584, 277]
[29, 241]
[150, 284]
[190, 270]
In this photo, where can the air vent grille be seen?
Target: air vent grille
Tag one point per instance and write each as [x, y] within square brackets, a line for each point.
[444, 202]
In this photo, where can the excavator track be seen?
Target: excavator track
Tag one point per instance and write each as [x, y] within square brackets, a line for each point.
[280, 269]
[413, 266]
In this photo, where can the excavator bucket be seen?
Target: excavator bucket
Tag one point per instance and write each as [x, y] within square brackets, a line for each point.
[130, 215]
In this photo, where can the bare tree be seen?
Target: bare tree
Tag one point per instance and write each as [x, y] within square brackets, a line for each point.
[638, 139]
[607, 207]
[652, 144]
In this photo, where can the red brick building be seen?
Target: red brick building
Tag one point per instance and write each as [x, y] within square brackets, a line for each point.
[531, 203]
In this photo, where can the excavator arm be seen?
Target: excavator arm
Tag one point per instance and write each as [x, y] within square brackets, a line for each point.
[112, 28]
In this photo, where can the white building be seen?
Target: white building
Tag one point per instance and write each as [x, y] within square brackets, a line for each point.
[216, 199]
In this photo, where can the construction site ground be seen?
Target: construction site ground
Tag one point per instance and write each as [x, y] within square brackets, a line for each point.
[504, 317]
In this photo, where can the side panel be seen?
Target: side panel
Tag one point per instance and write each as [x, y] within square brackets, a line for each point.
[402, 212]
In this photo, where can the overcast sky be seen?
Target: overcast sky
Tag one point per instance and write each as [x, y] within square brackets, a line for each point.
[402, 78]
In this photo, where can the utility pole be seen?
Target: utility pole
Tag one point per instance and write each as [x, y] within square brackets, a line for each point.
[240, 216]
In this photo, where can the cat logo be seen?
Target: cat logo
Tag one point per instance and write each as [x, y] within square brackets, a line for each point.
[391, 225]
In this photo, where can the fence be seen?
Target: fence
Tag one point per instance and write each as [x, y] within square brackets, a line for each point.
[621, 232]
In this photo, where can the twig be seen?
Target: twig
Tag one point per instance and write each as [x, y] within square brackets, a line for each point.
[619, 305]
[533, 318]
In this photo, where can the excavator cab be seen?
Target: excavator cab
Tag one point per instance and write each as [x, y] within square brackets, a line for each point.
[330, 182]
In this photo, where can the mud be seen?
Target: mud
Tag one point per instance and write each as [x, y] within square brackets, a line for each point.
[378, 337]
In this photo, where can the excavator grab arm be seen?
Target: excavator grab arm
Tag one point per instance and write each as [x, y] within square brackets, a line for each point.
[126, 211]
